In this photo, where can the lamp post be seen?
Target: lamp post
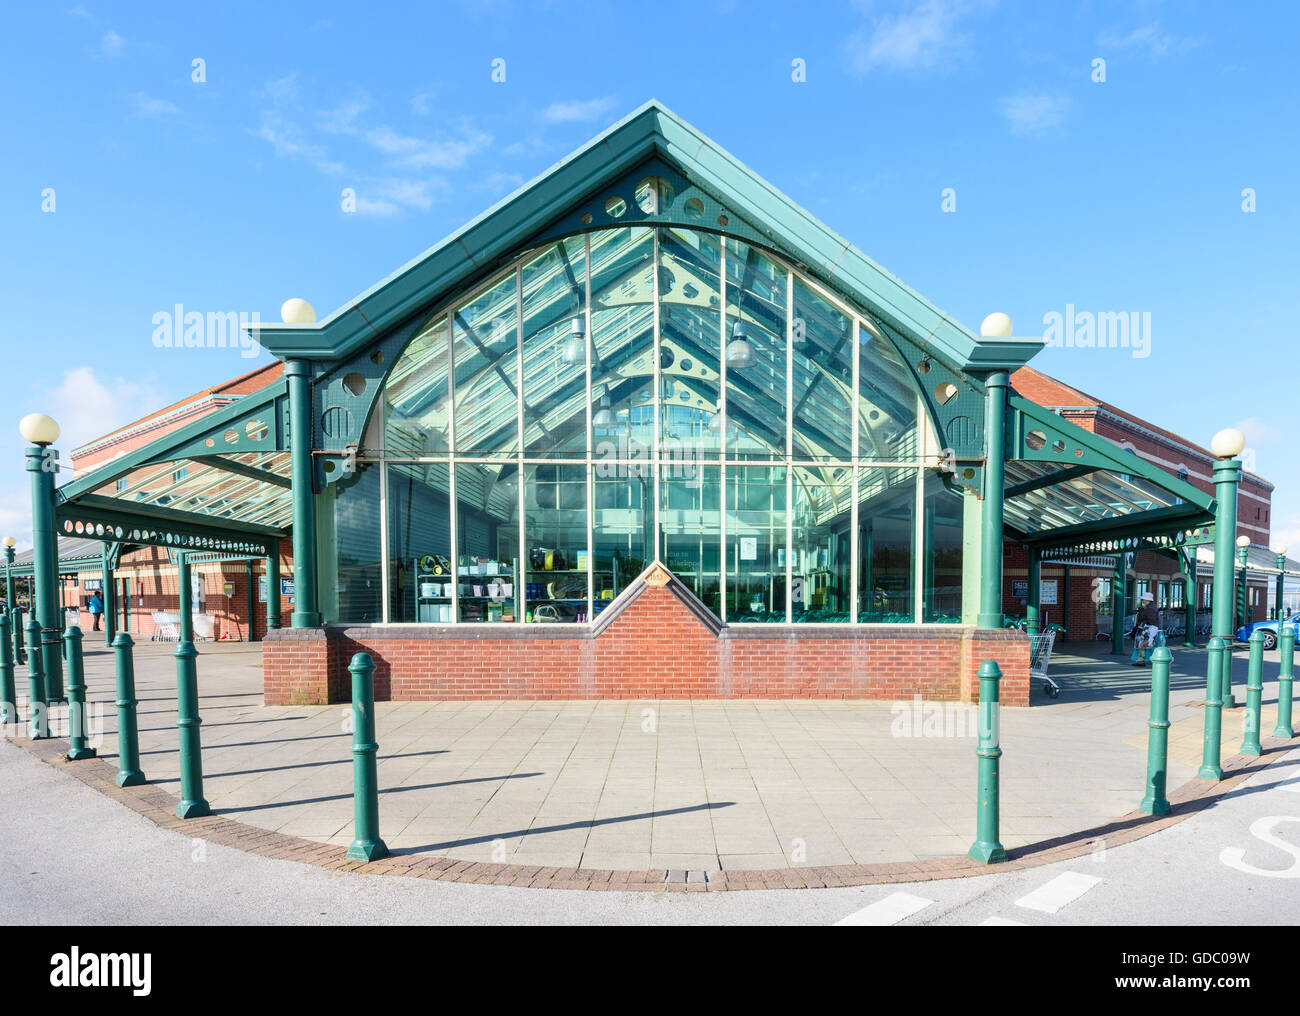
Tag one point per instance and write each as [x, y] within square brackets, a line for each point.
[996, 325]
[43, 463]
[1226, 446]
[1280, 551]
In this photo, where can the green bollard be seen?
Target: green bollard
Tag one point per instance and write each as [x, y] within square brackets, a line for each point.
[38, 714]
[77, 747]
[192, 803]
[128, 739]
[1155, 802]
[1286, 649]
[19, 656]
[1254, 695]
[367, 846]
[1210, 768]
[986, 847]
[8, 693]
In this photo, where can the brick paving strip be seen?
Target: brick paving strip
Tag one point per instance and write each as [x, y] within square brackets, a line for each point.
[160, 808]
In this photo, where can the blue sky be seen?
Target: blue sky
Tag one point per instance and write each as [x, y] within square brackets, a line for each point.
[225, 194]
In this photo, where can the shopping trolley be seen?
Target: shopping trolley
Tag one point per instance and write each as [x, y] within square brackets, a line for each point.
[1040, 652]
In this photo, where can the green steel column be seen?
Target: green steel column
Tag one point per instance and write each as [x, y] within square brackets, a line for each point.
[305, 612]
[192, 804]
[987, 848]
[273, 589]
[1226, 474]
[1286, 650]
[1254, 695]
[38, 714]
[252, 595]
[995, 412]
[1155, 802]
[20, 655]
[1210, 768]
[42, 463]
[110, 596]
[1243, 610]
[129, 773]
[1278, 590]
[183, 576]
[1035, 591]
[8, 693]
[126, 605]
[367, 846]
[1118, 604]
[77, 746]
[1187, 565]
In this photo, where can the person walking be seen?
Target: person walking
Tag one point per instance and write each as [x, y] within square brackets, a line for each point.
[1146, 630]
[96, 608]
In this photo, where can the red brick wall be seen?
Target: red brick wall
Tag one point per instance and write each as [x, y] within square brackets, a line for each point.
[655, 648]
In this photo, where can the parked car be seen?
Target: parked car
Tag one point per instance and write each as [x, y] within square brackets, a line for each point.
[1270, 629]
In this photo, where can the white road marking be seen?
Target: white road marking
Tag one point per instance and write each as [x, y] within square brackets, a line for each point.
[1060, 892]
[890, 910]
[995, 921]
[1262, 829]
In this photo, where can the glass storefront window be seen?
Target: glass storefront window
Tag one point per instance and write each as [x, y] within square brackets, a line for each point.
[623, 528]
[942, 550]
[420, 569]
[820, 509]
[417, 396]
[886, 539]
[690, 519]
[556, 558]
[487, 526]
[622, 325]
[822, 342]
[756, 573]
[554, 289]
[485, 352]
[887, 402]
[690, 326]
[755, 353]
[358, 594]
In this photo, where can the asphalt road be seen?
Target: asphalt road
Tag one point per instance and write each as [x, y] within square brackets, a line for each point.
[71, 856]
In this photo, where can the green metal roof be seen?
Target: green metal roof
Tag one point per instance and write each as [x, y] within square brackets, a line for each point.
[650, 132]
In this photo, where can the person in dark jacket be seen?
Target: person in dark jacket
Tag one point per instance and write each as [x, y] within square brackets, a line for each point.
[1146, 629]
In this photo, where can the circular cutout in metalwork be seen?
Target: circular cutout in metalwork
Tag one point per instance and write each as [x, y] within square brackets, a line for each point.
[694, 208]
[945, 393]
[354, 383]
[615, 207]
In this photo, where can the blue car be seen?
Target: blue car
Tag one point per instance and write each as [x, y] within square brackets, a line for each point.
[1269, 628]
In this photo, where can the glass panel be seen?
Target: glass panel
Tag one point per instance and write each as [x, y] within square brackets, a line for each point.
[820, 563]
[755, 543]
[623, 529]
[886, 537]
[485, 337]
[756, 354]
[887, 403]
[622, 324]
[690, 340]
[942, 542]
[690, 519]
[555, 351]
[487, 522]
[555, 535]
[419, 543]
[416, 395]
[356, 546]
[822, 338]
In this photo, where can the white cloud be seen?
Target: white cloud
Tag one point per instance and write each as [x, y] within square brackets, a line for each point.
[80, 12]
[289, 142]
[111, 44]
[575, 110]
[342, 119]
[1034, 114]
[147, 105]
[281, 91]
[1150, 37]
[923, 35]
[1259, 431]
[427, 153]
[87, 407]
